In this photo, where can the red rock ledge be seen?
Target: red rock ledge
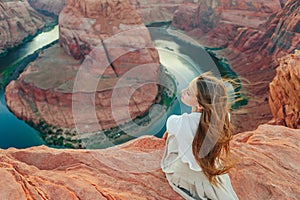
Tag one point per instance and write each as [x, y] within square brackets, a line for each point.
[267, 168]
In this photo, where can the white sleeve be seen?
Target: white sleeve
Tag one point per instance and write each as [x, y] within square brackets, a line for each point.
[173, 124]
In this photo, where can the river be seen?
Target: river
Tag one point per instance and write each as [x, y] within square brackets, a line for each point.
[183, 58]
[15, 132]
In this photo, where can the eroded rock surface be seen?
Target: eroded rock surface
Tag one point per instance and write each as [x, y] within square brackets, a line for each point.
[267, 168]
[50, 6]
[156, 10]
[18, 21]
[216, 22]
[252, 36]
[285, 92]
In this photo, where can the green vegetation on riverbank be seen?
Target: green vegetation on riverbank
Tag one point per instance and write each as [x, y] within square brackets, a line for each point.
[163, 24]
[55, 136]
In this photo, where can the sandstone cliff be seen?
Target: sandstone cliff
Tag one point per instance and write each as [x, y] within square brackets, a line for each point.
[267, 168]
[156, 10]
[284, 98]
[96, 22]
[277, 37]
[215, 23]
[254, 54]
[50, 6]
[18, 21]
[113, 82]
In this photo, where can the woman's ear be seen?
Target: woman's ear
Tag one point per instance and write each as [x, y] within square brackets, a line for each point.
[199, 107]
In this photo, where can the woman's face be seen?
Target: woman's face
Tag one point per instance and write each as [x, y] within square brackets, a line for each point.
[188, 95]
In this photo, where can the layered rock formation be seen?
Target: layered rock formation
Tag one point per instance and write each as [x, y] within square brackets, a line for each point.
[50, 6]
[267, 168]
[155, 10]
[284, 98]
[113, 82]
[268, 164]
[254, 54]
[252, 36]
[18, 21]
[215, 23]
[279, 36]
[103, 23]
[130, 171]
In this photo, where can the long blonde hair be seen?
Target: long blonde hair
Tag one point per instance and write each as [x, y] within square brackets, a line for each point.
[214, 132]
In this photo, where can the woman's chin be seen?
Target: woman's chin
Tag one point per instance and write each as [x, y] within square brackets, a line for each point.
[182, 99]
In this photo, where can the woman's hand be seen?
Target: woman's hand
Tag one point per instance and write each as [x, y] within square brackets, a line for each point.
[165, 136]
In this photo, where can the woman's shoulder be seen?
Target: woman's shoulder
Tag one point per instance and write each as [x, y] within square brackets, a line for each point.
[178, 118]
[176, 121]
[185, 115]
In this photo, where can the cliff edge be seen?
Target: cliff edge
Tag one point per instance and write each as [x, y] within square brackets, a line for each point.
[267, 168]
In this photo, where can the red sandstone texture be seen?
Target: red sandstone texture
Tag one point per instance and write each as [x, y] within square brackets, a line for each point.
[252, 36]
[267, 168]
[268, 164]
[96, 22]
[284, 97]
[156, 10]
[215, 23]
[50, 6]
[18, 20]
[113, 82]
[254, 55]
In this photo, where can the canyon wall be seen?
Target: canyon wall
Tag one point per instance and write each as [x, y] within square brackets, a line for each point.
[251, 36]
[284, 97]
[156, 10]
[50, 6]
[18, 22]
[215, 23]
[254, 55]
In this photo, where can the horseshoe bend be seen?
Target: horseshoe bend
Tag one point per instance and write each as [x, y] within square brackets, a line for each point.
[98, 56]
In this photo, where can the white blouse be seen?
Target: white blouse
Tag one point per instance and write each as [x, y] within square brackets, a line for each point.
[183, 128]
[181, 131]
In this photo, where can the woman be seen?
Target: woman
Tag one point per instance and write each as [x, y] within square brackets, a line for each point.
[197, 144]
